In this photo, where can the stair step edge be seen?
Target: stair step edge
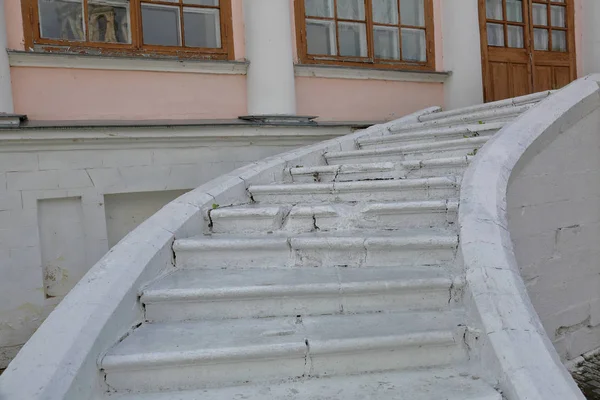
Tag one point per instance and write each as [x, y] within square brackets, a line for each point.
[333, 289]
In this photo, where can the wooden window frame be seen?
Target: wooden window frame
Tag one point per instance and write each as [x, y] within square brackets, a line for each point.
[34, 41]
[370, 61]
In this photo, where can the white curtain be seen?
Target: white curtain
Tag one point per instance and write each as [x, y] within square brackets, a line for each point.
[495, 35]
[493, 9]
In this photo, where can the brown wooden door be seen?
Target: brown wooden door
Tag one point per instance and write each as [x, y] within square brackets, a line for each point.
[527, 46]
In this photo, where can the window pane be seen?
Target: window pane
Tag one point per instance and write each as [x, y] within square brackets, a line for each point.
[540, 39]
[320, 37]
[351, 9]
[558, 14]
[108, 21]
[385, 11]
[514, 10]
[202, 2]
[61, 20]
[559, 41]
[202, 27]
[540, 14]
[319, 8]
[387, 44]
[414, 47]
[493, 9]
[161, 25]
[515, 36]
[495, 35]
[353, 39]
[412, 12]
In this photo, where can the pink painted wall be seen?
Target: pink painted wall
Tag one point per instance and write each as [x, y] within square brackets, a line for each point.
[80, 94]
[364, 100]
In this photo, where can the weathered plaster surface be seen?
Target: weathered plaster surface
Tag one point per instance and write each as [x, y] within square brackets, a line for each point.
[554, 220]
[43, 172]
[104, 305]
[514, 342]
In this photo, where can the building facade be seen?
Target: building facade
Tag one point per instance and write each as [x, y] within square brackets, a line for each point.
[130, 103]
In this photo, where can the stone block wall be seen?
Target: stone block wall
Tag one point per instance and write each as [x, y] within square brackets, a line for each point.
[554, 221]
[68, 195]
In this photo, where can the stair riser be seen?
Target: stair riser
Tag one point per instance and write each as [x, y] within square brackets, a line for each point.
[391, 141]
[415, 357]
[321, 363]
[348, 177]
[182, 377]
[246, 225]
[401, 173]
[303, 224]
[355, 256]
[405, 194]
[459, 151]
[390, 300]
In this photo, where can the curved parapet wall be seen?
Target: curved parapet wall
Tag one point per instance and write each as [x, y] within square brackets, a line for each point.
[515, 347]
[62, 356]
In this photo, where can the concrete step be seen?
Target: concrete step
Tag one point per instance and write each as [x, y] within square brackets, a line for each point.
[434, 150]
[378, 190]
[431, 135]
[247, 219]
[407, 247]
[453, 166]
[502, 114]
[277, 292]
[426, 384]
[193, 355]
[533, 99]
[338, 216]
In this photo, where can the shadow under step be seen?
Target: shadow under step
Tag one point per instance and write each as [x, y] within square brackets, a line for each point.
[193, 355]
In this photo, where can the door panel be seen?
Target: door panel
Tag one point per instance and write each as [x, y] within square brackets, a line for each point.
[562, 77]
[543, 78]
[498, 84]
[520, 79]
[527, 46]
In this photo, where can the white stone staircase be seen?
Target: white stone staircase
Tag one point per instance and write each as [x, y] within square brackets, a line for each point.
[341, 282]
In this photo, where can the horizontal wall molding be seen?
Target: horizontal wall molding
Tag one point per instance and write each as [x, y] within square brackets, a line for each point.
[155, 64]
[166, 137]
[340, 72]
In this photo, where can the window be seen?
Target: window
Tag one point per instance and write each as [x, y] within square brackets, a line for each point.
[549, 25]
[189, 28]
[378, 33]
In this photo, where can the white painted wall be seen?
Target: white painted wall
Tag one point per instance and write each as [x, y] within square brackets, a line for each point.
[6, 100]
[462, 54]
[554, 221]
[270, 82]
[59, 187]
[591, 36]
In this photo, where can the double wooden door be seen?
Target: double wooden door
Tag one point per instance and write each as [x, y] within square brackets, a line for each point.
[527, 46]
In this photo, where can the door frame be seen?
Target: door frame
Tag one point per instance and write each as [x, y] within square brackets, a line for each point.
[528, 45]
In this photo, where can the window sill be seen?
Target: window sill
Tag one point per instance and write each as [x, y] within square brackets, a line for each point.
[342, 72]
[155, 64]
